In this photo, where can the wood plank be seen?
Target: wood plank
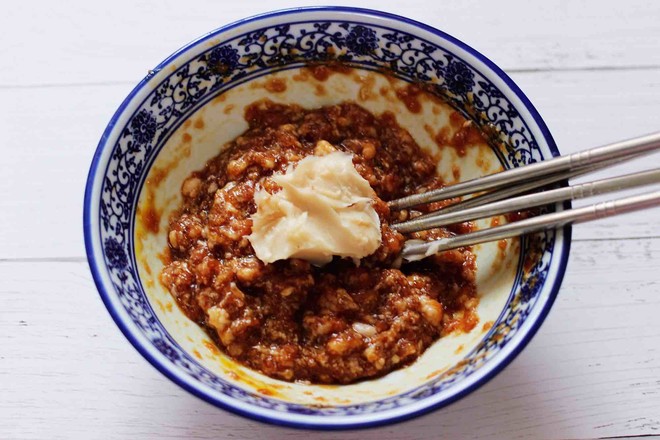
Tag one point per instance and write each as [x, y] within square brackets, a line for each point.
[82, 42]
[44, 168]
[592, 370]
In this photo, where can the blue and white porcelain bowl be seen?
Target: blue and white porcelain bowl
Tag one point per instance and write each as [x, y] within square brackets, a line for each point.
[190, 105]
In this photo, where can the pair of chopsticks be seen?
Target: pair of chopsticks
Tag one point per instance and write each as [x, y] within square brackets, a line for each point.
[504, 186]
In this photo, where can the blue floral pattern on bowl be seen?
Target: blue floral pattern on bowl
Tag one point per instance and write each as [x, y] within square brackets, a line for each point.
[282, 46]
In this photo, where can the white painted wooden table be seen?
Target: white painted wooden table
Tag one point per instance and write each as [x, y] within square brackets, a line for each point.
[593, 371]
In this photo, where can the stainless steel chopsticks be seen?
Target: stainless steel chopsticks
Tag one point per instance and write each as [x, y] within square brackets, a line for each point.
[576, 161]
[414, 250]
[522, 187]
[442, 218]
[528, 178]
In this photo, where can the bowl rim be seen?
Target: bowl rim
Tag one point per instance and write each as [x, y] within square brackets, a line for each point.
[563, 236]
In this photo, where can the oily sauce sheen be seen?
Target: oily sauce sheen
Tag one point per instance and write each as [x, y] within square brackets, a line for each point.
[290, 320]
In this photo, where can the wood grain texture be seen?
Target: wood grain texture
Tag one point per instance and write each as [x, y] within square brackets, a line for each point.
[593, 370]
[118, 41]
[592, 68]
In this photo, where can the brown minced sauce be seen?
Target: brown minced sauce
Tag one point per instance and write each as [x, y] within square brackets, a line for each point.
[290, 320]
